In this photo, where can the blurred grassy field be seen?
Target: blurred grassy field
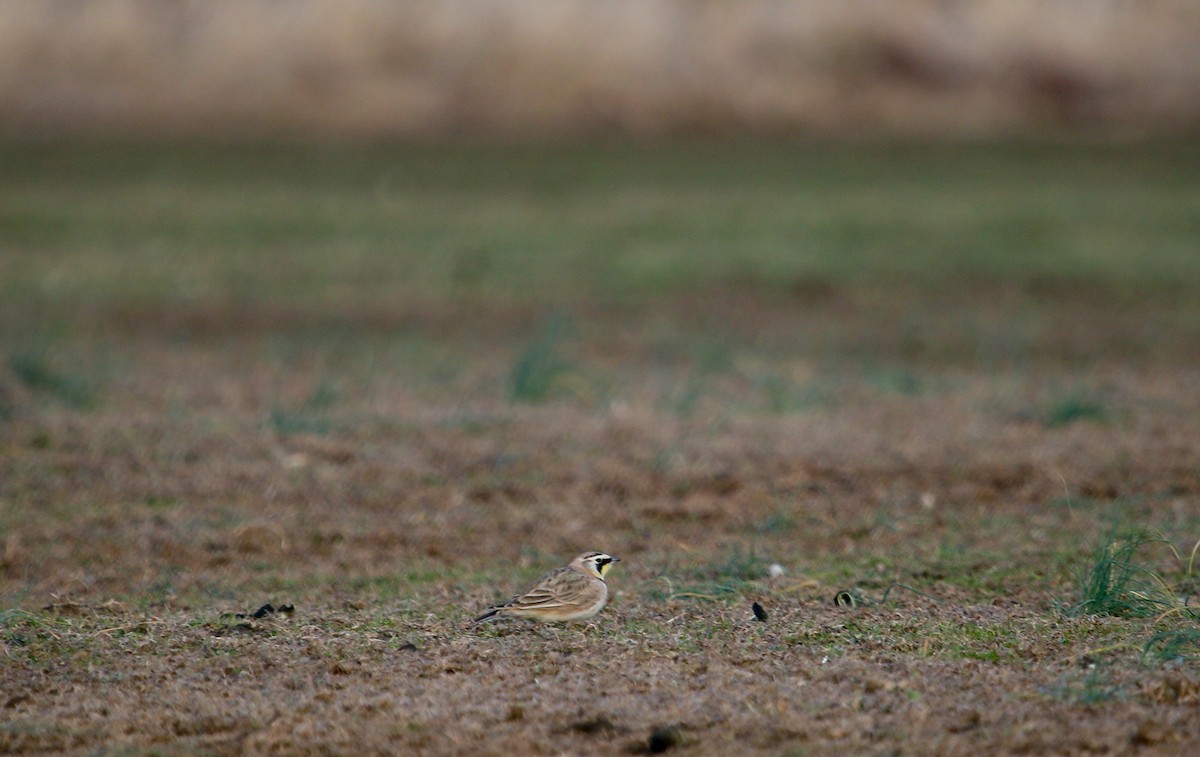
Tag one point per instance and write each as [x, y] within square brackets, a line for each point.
[102, 225]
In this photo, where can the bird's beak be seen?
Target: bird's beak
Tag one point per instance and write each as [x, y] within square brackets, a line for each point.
[616, 559]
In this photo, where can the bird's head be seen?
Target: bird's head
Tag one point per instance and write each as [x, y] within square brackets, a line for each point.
[596, 563]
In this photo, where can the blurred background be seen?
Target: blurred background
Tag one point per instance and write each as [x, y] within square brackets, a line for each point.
[523, 68]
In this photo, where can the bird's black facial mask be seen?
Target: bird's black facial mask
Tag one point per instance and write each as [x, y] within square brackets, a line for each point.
[603, 564]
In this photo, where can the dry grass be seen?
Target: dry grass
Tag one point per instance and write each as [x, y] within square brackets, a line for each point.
[369, 68]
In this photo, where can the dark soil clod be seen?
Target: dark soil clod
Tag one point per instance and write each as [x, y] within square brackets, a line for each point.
[262, 612]
[593, 725]
[664, 738]
[760, 614]
[15, 700]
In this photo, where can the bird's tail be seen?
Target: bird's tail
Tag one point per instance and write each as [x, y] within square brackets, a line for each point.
[491, 613]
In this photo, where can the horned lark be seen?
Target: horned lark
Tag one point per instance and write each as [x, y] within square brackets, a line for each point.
[572, 592]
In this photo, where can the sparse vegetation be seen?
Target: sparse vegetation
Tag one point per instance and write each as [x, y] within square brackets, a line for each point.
[540, 369]
[332, 394]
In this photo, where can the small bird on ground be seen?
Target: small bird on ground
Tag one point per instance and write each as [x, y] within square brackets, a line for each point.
[572, 592]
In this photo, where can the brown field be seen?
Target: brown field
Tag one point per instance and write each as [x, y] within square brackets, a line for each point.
[390, 465]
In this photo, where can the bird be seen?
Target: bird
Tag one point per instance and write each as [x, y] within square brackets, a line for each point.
[573, 592]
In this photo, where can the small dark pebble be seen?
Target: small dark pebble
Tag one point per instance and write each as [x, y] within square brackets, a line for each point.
[664, 738]
[759, 613]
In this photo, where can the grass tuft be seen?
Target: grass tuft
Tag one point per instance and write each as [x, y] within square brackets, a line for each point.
[740, 564]
[1095, 689]
[895, 381]
[36, 370]
[709, 359]
[540, 370]
[309, 417]
[729, 576]
[778, 522]
[1072, 408]
[1117, 585]
[784, 396]
[1177, 644]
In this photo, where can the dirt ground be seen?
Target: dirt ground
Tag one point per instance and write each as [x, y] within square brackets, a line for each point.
[382, 481]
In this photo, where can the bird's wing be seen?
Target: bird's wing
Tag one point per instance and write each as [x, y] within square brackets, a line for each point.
[538, 599]
[555, 589]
